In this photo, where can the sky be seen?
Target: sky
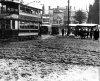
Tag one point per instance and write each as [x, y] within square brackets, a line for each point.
[78, 4]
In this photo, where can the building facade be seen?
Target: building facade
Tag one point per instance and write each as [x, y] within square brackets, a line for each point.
[59, 16]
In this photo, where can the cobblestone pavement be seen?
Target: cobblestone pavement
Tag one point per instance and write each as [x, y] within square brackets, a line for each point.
[50, 59]
[54, 49]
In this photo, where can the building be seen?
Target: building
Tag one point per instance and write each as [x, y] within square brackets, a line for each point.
[59, 16]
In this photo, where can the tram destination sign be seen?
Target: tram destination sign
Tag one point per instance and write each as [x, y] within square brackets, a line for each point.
[17, 1]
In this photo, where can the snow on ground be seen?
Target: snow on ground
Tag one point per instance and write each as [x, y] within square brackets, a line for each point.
[21, 70]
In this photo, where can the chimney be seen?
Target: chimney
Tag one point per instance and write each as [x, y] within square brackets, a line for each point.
[57, 7]
[49, 7]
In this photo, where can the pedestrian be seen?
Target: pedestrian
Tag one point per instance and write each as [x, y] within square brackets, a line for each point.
[81, 33]
[87, 32]
[39, 32]
[96, 34]
[91, 33]
[84, 33]
[62, 32]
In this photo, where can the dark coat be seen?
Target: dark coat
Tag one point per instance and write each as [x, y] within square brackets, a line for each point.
[96, 34]
[62, 32]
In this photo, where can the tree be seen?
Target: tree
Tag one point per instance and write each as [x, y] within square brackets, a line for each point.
[80, 16]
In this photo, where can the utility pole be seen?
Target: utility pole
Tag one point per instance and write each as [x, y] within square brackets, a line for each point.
[68, 32]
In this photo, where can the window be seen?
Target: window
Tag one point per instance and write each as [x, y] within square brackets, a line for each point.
[7, 24]
[28, 25]
[13, 24]
[3, 9]
[9, 8]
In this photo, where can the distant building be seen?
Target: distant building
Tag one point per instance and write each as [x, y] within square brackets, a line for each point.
[57, 18]
[59, 15]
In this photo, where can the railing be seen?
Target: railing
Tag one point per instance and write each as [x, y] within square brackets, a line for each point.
[4, 11]
[29, 14]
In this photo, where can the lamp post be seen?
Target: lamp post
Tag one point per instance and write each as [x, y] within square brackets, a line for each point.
[68, 20]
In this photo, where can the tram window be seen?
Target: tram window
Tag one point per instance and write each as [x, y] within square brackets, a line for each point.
[8, 24]
[3, 9]
[8, 10]
[27, 26]
[3, 26]
[23, 27]
[31, 26]
[16, 10]
[12, 9]
[33, 12]
[22, 9]
[13, 24]
[34, 27]
[20, 27]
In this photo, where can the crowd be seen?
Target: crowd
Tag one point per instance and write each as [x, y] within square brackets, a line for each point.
[85, 33]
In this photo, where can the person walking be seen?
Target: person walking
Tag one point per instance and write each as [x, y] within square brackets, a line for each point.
[39, 34]
[96, 34]
[62, 32]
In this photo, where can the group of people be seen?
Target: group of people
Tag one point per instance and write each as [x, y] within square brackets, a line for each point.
[86, 33]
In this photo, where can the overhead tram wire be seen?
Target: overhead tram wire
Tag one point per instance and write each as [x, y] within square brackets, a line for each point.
[33, 2]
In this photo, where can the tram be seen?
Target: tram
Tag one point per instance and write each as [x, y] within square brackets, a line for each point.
[18, 20]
